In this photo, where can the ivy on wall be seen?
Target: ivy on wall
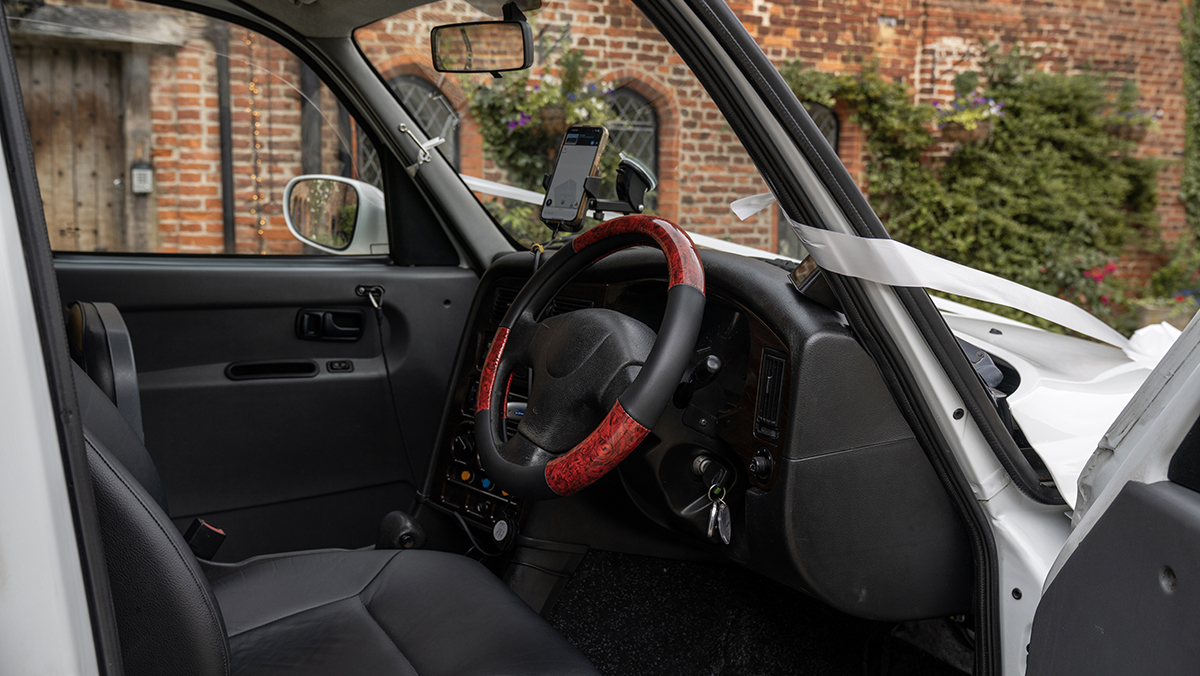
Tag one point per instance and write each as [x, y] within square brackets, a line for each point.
[1049, 199]
[1179, 277]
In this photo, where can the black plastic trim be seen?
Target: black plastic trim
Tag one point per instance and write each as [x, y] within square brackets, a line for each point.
[1185, 464]
[31, 223]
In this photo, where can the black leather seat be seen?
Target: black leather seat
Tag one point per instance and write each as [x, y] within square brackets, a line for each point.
[321, 612]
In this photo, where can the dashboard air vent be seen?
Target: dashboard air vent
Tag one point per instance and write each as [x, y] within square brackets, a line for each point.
[562, 305]
[770, 395]
[505, 295]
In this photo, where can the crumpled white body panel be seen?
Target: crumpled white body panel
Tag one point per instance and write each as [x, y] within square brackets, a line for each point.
[1071, 389]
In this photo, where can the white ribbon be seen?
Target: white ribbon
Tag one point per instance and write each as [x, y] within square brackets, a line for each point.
[501, 190]
[886, 261]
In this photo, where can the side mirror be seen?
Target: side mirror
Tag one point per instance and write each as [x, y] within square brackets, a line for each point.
[482, 47]
[336, 215]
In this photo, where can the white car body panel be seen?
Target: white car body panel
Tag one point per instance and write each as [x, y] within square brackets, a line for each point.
[45, 626]
[1071, 389]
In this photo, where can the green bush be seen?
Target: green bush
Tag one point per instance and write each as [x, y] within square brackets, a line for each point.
[1181, 275]
[1049, 200]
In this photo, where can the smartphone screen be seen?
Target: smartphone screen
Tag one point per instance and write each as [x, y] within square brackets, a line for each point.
[577, 160]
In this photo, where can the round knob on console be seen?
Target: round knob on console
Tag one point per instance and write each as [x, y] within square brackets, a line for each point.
[761, 465]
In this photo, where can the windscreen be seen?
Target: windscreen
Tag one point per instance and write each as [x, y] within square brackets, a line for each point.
[594, 65]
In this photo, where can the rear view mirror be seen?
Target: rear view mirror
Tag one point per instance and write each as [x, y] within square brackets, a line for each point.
[337, 215]
[482, 47]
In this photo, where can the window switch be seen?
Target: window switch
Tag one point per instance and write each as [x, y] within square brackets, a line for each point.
[340, 366]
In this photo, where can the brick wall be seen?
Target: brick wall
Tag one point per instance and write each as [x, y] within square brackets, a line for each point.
[703, 166]
[925, 44]
[265, 116]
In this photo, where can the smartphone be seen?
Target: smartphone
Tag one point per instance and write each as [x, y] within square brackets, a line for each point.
[578, 158]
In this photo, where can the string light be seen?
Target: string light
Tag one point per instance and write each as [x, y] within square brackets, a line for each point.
[257, 199]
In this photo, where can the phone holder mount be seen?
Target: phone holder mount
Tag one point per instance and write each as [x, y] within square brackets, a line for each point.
[634, 180]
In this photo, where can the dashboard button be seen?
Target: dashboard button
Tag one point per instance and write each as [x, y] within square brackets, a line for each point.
[465, 476]
[486, 483]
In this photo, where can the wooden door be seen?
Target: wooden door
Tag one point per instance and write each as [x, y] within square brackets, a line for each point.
[73, 104]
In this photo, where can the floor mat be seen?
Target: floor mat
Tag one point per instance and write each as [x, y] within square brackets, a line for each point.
[635, 615]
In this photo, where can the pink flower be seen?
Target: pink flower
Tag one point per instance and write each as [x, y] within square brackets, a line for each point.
[1179, 298]
[1104, 299]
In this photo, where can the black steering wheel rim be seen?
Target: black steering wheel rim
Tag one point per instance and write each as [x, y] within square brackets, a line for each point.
[532, 472]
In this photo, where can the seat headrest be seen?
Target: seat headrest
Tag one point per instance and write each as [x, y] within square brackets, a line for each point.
[100, 344]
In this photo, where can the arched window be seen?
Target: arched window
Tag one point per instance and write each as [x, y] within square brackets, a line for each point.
[634, 131]
[432, 111]
[827, 122]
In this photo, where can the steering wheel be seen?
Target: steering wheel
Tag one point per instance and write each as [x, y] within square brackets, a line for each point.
[595, 372]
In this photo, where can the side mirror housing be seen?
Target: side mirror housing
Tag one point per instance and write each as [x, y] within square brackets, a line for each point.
[336, 215]
[482, 47]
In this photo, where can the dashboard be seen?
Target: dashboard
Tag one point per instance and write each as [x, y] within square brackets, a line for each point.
[827, 487]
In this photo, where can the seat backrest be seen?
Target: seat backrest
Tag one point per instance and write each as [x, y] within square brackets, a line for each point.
[109, 427]
[101, 345]
[168, 619]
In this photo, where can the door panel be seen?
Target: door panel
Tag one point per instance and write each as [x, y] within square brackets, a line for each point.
[1127, 601]
[283, 463]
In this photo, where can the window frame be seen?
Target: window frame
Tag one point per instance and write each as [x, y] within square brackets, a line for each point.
[632, 92]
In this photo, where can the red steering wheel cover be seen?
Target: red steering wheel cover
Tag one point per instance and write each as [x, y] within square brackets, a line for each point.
[682, 261]
[487, 379]
[598, 454]
[619, 433]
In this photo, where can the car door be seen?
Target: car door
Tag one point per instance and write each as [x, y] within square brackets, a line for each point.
[279, 404]
[1124, 596]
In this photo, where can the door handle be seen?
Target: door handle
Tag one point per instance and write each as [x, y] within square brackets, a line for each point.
[314, 324]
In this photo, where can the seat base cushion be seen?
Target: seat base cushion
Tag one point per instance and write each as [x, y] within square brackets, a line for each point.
[383, 612]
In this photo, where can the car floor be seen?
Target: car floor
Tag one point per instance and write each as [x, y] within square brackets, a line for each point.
[636, 615]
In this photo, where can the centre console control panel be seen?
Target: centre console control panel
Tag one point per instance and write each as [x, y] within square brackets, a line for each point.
[463, 486]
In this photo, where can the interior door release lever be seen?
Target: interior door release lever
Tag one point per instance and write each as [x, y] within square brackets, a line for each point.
[314, 324]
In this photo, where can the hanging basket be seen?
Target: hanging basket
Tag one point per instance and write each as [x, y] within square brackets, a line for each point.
[957, 133]
[1131, 132]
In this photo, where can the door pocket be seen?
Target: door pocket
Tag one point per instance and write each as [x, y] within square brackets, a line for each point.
[254, 370]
